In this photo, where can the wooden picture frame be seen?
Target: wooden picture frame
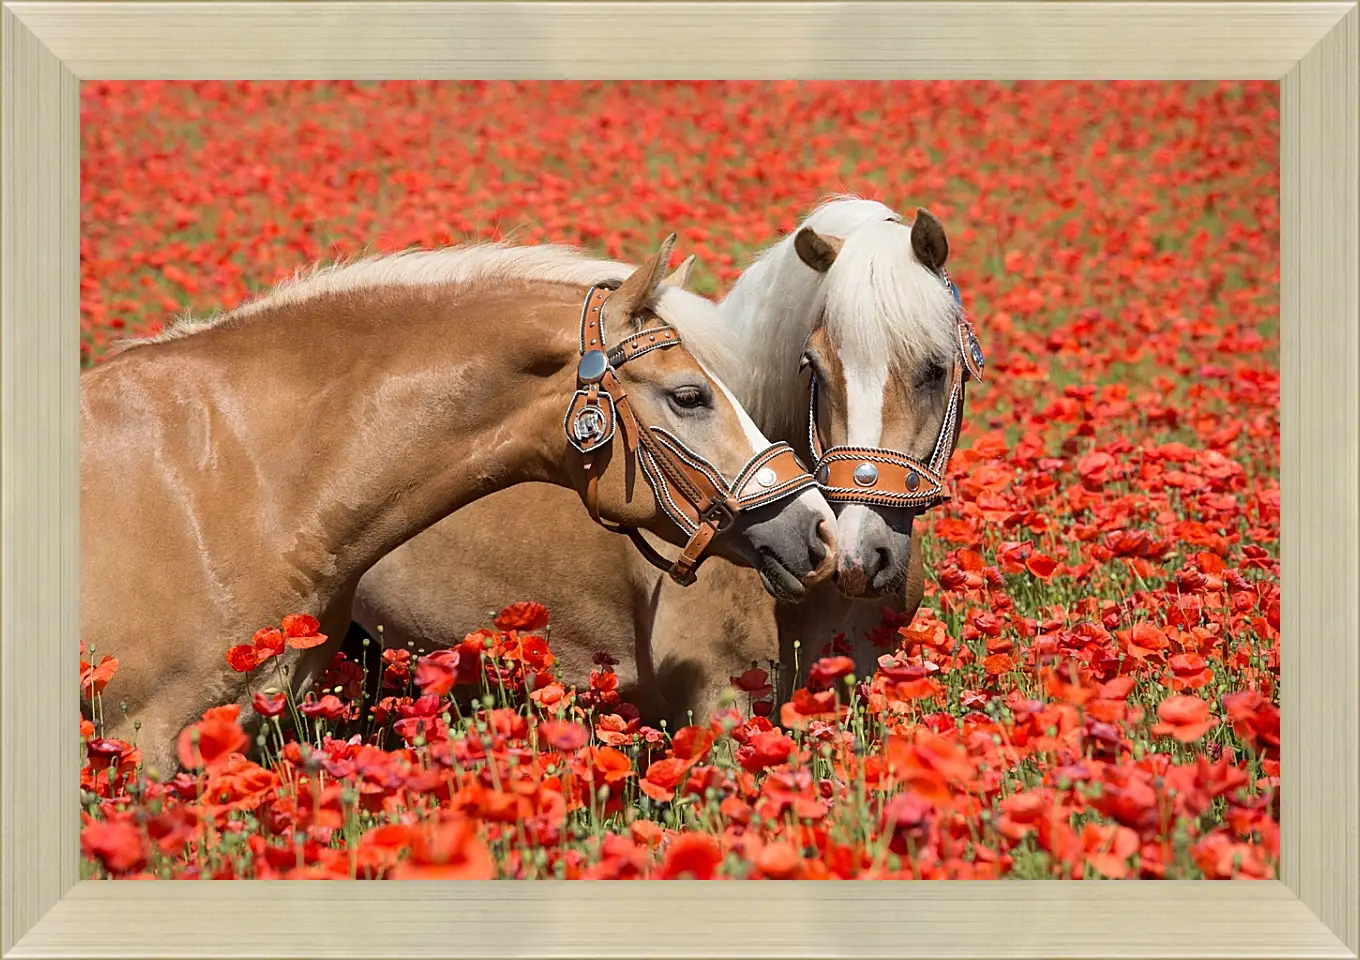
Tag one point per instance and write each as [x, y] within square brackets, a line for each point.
[1313, 49]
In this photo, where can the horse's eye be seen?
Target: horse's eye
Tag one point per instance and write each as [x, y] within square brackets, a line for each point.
[688, 397]
[931, 373]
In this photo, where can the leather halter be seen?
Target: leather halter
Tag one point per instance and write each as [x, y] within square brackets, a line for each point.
[689, 489]
[878, 477]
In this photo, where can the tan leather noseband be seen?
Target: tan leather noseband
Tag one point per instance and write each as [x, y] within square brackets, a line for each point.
[878, 477]
[689, 489]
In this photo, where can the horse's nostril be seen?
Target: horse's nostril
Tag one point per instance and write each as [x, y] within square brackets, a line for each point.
[876, 562]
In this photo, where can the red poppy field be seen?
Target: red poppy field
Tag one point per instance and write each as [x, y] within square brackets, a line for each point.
[1090, 689]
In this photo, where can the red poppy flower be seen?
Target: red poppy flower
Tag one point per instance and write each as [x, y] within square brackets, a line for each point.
[691, 744]
[780, 861]
[552, 697]
[451, 850]
[172, 828]
[690, 856]
[806, 706]
[1255, 719]
[766, 749]
[396, 667]
[300, 625]
[267, 642]
[211, 742]
[329, 707]
[1189, 671]
[1041, 566]
[908, 820]
[535, 653]
[564, 735]
[1094, 468]
[242, 658]
[1108, 848]
[524, 616]
[998, 664]
[929, 764]
[953, 579]
[1183, 717]
[102, 750]
[610, 765]
[269, 704]
[93, 680]
[825, 672]
[662, 778]
[300, 631]
[1145, 641]
[119, 847]
[754, 681]
[436, 674]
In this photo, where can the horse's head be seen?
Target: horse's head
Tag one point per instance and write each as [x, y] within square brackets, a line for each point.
[711, 480]
[887, 358]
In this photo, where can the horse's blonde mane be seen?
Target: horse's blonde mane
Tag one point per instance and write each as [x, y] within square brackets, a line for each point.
[695, 317]
[877, 299]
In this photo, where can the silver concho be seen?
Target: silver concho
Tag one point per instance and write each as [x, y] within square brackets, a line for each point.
[588, 425]
[866, 474]
[913, 481]
[592, 366]
[589, 421]
[823, 474]
[766, 477]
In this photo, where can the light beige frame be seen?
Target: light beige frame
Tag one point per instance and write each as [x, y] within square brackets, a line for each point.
[49, 47]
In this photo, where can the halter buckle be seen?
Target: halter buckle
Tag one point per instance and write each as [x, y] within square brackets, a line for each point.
[718, 514]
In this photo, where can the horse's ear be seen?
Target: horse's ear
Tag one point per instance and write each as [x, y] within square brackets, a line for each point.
[928, 241]
[817, 251]
[639, 290]
[680, 275]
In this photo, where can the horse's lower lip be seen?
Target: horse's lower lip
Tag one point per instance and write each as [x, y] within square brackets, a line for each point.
[779, 580]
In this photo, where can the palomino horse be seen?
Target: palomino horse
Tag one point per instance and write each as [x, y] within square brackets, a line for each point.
[258, 464]
[863, 300]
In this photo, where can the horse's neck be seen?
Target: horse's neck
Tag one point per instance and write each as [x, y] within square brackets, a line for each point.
[774, 305]
[417, 406]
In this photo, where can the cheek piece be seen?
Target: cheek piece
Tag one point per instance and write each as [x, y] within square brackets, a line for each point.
[690, 491]
[878, 477]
